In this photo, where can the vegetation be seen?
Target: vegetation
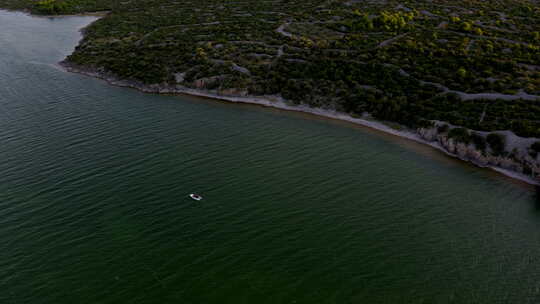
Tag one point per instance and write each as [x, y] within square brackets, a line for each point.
[442, 128]
[58, 7]
[497, 143]
[536, 146]
[479, 141]
[460, 135]
[535, 149]
[52, 7]
[405, 61]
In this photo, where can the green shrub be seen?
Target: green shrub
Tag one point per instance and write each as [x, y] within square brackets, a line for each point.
[424, 123]
[460, 135]
[344, 69]
[462, 72]
[536, 147]
[479, 141]
[497, 143]
[52, 7]
[442, 128]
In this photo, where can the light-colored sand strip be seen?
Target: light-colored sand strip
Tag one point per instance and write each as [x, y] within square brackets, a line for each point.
[279, 103]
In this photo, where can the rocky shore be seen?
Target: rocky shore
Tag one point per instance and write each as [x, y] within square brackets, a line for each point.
[517, 161]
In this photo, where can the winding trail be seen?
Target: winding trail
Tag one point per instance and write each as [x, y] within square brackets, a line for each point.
[281, 30]
[391, 40]
[471, 96]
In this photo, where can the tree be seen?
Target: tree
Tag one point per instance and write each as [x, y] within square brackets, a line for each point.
[442, 128]
[201, 54]
[460, 135]
[536, 146]
[52, 7]
[478, 31]
[497, 143]
[466, 26]
[535, 149]
[462, 73]
[479, 141]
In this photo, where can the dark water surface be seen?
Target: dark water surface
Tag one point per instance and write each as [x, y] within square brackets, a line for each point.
[297, 209]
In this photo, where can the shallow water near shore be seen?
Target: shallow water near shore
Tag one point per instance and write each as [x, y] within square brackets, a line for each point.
[297, 209]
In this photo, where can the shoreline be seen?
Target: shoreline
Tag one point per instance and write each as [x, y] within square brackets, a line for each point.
[279, 103]
[28, 12]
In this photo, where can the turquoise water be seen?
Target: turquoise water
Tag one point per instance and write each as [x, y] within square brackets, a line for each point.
[297, 209]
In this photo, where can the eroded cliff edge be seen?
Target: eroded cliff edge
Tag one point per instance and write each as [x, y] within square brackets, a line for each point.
[471, 64]
[503, 151]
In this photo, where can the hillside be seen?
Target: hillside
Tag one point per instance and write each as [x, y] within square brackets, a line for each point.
[471, 63]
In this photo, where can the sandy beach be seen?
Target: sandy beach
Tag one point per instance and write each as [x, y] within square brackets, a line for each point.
[279, 103]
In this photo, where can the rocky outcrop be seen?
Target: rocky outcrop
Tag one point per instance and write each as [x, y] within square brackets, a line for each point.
[234, 92]
[204, 83]
[519, 160]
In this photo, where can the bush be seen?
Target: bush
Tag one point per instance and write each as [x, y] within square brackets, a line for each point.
[51, 7]
[460, 135]
[536, 147]
[462, 72]
[497, 143]
[424, 123]
[479, 141]
[442, 128]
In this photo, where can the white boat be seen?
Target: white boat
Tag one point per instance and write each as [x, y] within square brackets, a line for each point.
[195, 196]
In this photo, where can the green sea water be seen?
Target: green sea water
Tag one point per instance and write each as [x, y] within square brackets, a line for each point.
[297, 209]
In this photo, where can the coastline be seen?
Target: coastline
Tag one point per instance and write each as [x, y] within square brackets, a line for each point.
[28, 12]
[279, 103]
